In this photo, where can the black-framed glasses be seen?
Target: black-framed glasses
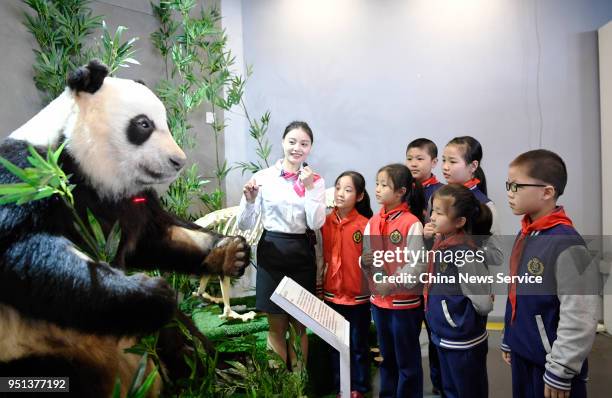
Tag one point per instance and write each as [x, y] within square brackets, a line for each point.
[513, 186]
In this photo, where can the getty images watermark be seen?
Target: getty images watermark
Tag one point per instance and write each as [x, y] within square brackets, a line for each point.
[554, 264]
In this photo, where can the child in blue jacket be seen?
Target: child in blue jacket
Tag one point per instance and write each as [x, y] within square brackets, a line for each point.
[550, 326]
[455, 309]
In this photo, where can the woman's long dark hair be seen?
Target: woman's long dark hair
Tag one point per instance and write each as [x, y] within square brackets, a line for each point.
[299, 125]
[473, 151]
[478, 216]
[401, 177]
[362, 206]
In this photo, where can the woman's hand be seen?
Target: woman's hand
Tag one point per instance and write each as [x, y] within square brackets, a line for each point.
[250, 190]
[307, 177]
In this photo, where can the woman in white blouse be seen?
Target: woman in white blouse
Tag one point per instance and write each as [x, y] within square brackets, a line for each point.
[291, 199]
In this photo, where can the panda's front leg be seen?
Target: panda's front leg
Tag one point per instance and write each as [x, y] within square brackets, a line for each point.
[228, 257]
[45, 277]
[172, 245]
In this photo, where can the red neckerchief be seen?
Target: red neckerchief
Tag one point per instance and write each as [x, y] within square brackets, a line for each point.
[337, 220]
[557, 217]
[460, 238]
[430, 181]
[349, 217]
[471, 183]
[385, 215]
[298, 185]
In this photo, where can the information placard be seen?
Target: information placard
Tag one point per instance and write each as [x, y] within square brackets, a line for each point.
[321, 319]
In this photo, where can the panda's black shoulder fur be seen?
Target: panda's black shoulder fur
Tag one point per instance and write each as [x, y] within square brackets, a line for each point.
[88, 78]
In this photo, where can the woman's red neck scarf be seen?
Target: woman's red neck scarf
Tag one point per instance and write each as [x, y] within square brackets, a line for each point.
[557, 217]
[298, 185]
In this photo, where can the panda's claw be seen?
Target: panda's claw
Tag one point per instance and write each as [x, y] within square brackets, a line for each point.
[229, 257]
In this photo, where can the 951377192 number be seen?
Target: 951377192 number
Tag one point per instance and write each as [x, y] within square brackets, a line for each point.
[34, 384]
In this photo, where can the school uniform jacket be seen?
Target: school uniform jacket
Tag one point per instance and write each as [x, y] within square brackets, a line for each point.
[342, 245]
[555, 322]
[430, 186]
[397, 228]
[457, 311]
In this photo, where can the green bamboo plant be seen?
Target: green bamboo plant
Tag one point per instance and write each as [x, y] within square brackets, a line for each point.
[199, 73]
[63, 30]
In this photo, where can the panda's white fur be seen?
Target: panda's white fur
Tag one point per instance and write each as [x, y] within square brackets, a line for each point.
[47, 126]
[95, 128]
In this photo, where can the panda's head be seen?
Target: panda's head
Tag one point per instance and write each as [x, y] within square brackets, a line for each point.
[120, 136]
[116, 130]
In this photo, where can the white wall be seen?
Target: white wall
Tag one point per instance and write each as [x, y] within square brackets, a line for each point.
[605, 77]
[371, 75]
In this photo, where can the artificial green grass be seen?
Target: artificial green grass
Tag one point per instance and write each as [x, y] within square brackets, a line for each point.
[226, 334]
[206, 318]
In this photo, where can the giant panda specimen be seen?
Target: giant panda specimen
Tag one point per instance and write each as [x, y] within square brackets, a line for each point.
[62, 314]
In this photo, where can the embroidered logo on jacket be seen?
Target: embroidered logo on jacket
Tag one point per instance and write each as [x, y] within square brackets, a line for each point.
[357, 236]
[535, 266]
[443, 267]
[395, 237]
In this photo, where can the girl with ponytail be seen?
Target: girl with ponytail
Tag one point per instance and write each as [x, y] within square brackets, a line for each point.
[396, 306]
[456, 311]
[461, 164]
[344, 288]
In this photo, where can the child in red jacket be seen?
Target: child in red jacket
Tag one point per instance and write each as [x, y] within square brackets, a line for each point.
[344, 287]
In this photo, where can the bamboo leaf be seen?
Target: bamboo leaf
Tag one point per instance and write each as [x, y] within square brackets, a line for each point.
[96, 229]
[57, 153]
[112, 242]
[14, 198]
[139, 375]
[146, 386]
[16, 188]
[43, 193]
[117, 389]
[15, 170]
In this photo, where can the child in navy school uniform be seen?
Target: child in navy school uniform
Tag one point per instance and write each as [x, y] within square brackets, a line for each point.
[396, 307]
[549, 327]
[344, 287]
[461, 164]
[456, 310]
[421, 159]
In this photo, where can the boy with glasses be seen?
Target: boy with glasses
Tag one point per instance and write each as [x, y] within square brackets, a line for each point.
[549, 328]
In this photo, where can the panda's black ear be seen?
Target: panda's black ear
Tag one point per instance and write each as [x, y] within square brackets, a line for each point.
[140, 81]
[88, 78]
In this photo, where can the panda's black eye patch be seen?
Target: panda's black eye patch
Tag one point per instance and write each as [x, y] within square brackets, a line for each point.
[140, 129]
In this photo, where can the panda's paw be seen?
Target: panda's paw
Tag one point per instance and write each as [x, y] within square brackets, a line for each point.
[230, 257]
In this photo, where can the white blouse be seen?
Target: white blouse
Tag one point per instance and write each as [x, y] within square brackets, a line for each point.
[283, 209]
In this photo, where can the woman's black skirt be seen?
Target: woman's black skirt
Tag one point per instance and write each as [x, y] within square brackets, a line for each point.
[278, 255]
